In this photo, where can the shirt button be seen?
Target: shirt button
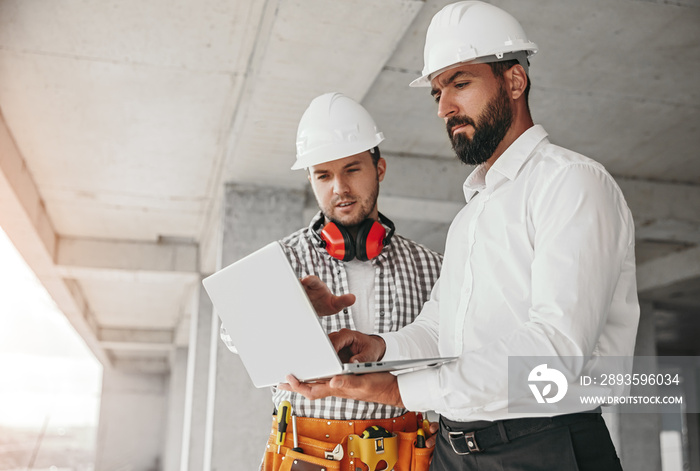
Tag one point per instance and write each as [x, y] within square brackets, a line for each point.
[345, 311]
[381, 313]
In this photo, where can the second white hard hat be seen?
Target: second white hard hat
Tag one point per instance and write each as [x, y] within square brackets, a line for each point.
[332, 127]
[474, 32]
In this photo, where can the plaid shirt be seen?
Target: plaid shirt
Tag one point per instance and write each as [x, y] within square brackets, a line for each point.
[403, 278]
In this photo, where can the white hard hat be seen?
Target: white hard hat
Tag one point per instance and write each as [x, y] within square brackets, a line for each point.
[332, 127]
[474, 32]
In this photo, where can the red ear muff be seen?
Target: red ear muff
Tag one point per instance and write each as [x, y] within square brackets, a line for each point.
[338, 242]
[370, 240]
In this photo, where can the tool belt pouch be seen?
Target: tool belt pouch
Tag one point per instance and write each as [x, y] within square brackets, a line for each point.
[410, 457]
[371, 451]
[294, 461]
[399, 451]
[288, 460]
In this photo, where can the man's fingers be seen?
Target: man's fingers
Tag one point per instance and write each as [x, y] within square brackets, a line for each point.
[324, 301]
[346, 382]
[434, 427]
[312, 282]
[341, 302]
[308, 390]
[362, 357]
[381, 387]
[291, 383]
[342, 339]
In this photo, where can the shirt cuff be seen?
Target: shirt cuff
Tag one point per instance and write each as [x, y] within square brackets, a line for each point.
[391, 351]
[420, 390]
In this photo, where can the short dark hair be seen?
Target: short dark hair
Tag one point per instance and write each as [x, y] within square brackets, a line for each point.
[499, 68]
[375, 155]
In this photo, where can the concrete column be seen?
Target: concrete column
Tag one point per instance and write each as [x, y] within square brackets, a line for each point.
[639, 433]
[132, 418]
[692, 420]
[241, 415]
[176, 410]
[197, 386]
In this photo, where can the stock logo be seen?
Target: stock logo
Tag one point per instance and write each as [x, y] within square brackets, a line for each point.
[542, 374]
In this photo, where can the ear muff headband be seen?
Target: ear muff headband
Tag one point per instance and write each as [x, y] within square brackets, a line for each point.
[371, 239]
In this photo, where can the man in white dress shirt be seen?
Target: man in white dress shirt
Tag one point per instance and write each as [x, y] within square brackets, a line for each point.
[539, 263]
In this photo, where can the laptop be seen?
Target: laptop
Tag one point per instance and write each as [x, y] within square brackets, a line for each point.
[275, 328]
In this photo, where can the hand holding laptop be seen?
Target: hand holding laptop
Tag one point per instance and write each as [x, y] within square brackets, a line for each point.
[374, 387]
[324, 302]
[355, 347]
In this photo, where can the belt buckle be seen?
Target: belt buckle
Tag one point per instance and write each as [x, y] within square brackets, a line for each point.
[469, 440]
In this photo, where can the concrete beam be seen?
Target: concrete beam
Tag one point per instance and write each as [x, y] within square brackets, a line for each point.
[150, 366]
[663, 211]
[348, 66]
[81, 302]
[74, 256]
[406, 208]
[665, 271]
[321, 45]
[138, 347]
[406, 175]
[669, 230]
[136, 339]
[419, 209]
[24, 219]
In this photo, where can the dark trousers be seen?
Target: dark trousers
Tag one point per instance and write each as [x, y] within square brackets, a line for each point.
[572, 442]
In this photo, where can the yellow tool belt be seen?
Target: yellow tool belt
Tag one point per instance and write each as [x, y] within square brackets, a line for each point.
[318, 438]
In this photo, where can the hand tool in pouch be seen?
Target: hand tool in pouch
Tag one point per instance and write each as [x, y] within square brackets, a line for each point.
[375, 445]
[296, 448]
[335, 455]
[420, 438]
[284, 411]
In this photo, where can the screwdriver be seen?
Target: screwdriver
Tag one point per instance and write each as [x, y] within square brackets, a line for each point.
[284, 411]
[426, 427]
[420, 438]
[296, 448]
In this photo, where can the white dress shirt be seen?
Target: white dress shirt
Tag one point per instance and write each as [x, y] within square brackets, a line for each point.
[540, 262]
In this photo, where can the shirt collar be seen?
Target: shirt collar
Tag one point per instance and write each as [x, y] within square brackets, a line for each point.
[315, 220]
[314, 235]
[507, 165]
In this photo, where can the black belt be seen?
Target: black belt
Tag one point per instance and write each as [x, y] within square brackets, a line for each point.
[465, 441]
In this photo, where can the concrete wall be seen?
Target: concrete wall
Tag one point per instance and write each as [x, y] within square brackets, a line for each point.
[197, 386]
[639, 434]
[131, 432]
[254, 216]
[176, 410]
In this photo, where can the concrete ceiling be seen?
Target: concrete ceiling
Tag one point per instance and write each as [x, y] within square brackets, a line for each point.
[122, 120]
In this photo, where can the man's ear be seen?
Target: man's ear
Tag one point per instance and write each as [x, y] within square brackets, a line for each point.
[381, 168]
[517, 79]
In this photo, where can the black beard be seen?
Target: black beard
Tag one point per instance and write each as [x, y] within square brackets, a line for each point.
[493, 125]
